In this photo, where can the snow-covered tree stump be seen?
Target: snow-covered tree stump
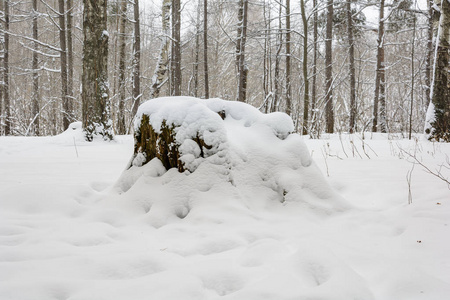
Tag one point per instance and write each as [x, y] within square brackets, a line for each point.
[176, 139]
[189, 152]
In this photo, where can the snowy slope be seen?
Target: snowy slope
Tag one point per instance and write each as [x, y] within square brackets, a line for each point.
[69, 231]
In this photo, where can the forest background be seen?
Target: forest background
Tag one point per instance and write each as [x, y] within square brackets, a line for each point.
[318, 61]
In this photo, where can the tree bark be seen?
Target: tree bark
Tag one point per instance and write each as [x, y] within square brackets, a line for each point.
[176, 48]
[412, 77]
[197, 50]
[205, 47]
[288, 59]
[429, 57]
[136, 59]
[329, 109]
[351, 59]
[121, 128]
[240, 50]
[6, 99]
[34, 128]
[438, 117]
[70, 8]
[163, 61]
[314, 71]
[267, 81]
[279, 45]
[63, 54]
[380, 82]
[95, 91]
[2, 73]
[305, 70]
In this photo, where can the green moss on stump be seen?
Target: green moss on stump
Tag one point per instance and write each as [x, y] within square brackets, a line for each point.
[162, 145]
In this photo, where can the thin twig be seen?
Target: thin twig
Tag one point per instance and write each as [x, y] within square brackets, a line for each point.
[436, 173]
[76, 150]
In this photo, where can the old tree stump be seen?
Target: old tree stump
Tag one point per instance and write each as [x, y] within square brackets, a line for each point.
[160, 132]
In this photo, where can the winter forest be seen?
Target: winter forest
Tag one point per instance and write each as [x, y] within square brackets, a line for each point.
[333, 66]
[224, 149]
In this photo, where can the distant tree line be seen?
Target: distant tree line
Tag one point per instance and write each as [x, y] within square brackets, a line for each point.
[321, 62]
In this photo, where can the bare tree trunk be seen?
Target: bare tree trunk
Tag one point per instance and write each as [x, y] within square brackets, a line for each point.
[95, 93]
[267, 85]
[288, 58]
[136, 59]
[70, 58]
[121, 128]
[314, 70]
[412, 76]
[205, 46]
[163, 61]
[7, 103]
[2, 55]
[351, 59]
[176, 48]
[429, 57]
[115, 19]
[380, 84]
[437, 125]
[277, 84]
[240, 50]
[329, 109]
[197, 50]
[34, 128]
[63, 54]
[305, 70]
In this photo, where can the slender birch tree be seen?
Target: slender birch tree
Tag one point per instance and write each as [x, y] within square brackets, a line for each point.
[437, 125]
[277, 77]
[351, 60]
[34, 128]
[205, 47]
[305, 70]
[314, 71]
[329, 106]
[176, 49]
[2, 55]
[429, 56]
[70, 67]
[121, 128]
[6, 87]
[240, 50]
[197, 50]
[380, 81]
[288, 58]
[161, 73]
[136, 59]
[63, 61]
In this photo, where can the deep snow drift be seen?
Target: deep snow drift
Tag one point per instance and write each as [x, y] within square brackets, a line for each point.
[263, 225]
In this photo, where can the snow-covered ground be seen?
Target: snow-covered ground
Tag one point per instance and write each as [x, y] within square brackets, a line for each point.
[70, 230]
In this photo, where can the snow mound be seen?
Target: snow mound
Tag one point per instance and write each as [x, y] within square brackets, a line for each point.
[253, 161]
[75, 133]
